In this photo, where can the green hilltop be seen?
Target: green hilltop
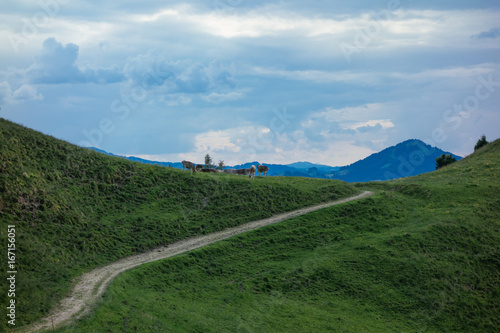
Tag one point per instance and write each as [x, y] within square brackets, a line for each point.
[422, 255]
[75, 209]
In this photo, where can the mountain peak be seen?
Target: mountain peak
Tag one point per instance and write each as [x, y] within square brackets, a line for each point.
[408, 158]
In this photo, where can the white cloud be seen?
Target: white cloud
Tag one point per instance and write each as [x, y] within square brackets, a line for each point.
[27, 92]
[337, 153]
[219, 98]
[371, 124]
[318, 76]
[153, 69]
[257, 24]
[24, 93]
[349, 114]
[231, 145]
[215, 141]
[250, 143]
[56, 64]
[254, 23]
[350, 124]
[375, 78]
[175, 99]
[162, 14]
[473, 71]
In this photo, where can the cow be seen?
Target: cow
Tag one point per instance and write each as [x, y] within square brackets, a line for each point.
[252, 171]
[262, 169]
[231, 171]
[199, 167]
[208, 170]
[188, 165]
[243, 172]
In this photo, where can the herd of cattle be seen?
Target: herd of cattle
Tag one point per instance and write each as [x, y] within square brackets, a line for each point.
[261, 169]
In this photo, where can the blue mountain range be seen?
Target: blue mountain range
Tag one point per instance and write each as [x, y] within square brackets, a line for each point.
[408, 158]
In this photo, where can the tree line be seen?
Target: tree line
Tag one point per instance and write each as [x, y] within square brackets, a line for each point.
[209, 163]
[445, 159]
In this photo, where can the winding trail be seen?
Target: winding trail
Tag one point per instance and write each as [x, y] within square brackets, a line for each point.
[91, 285]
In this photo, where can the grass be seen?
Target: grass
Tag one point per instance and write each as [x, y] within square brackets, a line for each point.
[75, 209]
[421, 255]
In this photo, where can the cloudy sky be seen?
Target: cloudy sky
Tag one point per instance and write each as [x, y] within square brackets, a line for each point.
[275, 81]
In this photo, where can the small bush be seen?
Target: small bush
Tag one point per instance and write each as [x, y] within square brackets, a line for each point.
[444, 160]
[481, 143]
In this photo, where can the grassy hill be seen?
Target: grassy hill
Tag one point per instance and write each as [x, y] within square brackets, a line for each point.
[75, 209]
[420, 256]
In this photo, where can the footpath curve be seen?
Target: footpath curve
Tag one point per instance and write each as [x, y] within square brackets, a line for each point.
[91, 285]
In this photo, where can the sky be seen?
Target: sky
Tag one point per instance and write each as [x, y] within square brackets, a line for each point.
[328, 82]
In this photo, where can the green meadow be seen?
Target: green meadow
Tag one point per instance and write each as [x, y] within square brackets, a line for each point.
[75, 209]
[422, 255]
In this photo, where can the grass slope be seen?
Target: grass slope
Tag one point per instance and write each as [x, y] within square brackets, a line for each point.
[421, 255]
[75, 209]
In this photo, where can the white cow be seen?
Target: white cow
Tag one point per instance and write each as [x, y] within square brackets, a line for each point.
[252, 171]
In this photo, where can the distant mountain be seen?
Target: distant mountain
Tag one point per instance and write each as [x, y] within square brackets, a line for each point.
[103, 151]
[314, 170]
[276, 170]
[408, 158]
[309, 165]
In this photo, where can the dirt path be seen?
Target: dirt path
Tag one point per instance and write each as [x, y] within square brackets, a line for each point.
[92, 285]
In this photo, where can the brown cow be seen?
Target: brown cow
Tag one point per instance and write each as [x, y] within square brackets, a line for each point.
[188, 165]
[230, 171]
[262, 169]
[243, 172]
[252, 171]
[199, 167]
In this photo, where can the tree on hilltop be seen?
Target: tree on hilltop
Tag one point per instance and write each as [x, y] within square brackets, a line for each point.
[444, 160]
[481, 142]
[208, 162]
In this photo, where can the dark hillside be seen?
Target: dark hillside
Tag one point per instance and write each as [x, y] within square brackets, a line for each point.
[75, 209]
